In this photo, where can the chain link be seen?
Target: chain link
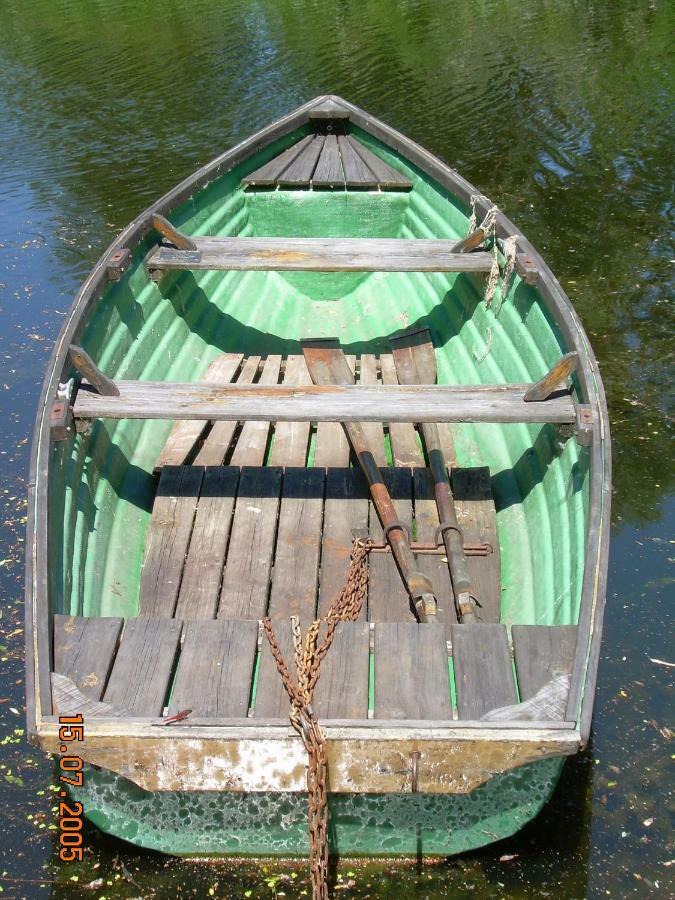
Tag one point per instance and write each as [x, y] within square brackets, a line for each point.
[346, 607]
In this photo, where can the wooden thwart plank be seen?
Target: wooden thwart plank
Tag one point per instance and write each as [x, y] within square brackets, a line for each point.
[168, 538]
[185, 434]
[246, 578]
[542, 652]
[483, 669]
[323, 254]
[300, 171]
[218, 440]
[214, 673]
[84, 649]
[296, 561]
[319, 403]
[202, 573]
[411, 672]
[140, 675]
[328, 172]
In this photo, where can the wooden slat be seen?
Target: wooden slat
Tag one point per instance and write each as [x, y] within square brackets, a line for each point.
[322, 254]
[332, 446]
[387, 177]
[388, 599]
[267, 175]
[296, 561]
[542, 652]
[357, 173]
[345, 510]
[405, 447]
[140, 675]
[84, 649]
[477, 518]
[483, 669]
[218, 440]
[185, 434]
[411, 672]
[214, 672]
[319, 403]
[203, 570]
[252, 442]
[246, 578]
[167, 539]
[373, 430]
[291, 439]
[328, 172]
[342, 689]
[271, 699]
[435, 567]
[300, 171]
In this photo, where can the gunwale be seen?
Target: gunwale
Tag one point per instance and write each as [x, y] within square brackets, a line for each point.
[40, 722]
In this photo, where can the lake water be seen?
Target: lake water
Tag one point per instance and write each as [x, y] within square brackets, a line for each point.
[562, 114]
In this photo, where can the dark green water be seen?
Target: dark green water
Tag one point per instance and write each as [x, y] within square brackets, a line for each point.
[562, 114]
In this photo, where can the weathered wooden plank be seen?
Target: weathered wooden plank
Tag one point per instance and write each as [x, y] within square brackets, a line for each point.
[296, 562]
[542, 652]
[387, 177]
[246, 579]
[300, 171]
[291, 439]
[345, 511]
[271, 699]
[411, 671]
[435, 567]
[388, 600]
[203, 570]
[185, 433]
[483, 669]
[267, 175]
[476, 515]
[332, 447]
[342, 689]
[167, 539]
[217, 442]
[357, 172]
[68, 700]
[323, 254]
[84, 649]
[252, 442]
[405, 446]
[373, 430]
[139, 680]
[215, 669]
[320, 403]
[328, 172]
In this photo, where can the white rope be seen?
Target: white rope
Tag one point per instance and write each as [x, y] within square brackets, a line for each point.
[488, 226]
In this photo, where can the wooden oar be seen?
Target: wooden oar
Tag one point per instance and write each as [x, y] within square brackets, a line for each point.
[415, 363]
[327, 364]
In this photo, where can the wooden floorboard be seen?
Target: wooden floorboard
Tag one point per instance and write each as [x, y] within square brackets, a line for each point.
[203, 569]
[167, 539]
[246, 579]
[185, 433]
[215, 669]
[252, 441]
[139, 680]
[84, 649]
[342, 689]
[405, 447]
[328, 172]
[296, 562]
[388, 600]
[345, 511]
[472, 490]
[332, 446]
[435, 566]
[300, 171]
[387, 177]
[373, 431]
[267, 175]
[542, 652]
[291, 439]
[271, 699]
[217, 442]
[411, 671]
[483, 669]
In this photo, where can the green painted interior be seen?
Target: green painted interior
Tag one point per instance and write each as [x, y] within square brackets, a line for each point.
[102, 484]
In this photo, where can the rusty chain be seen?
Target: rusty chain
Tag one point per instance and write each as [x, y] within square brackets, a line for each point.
[346, 607]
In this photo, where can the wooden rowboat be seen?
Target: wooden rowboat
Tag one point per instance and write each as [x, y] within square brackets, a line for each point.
[192, 473]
